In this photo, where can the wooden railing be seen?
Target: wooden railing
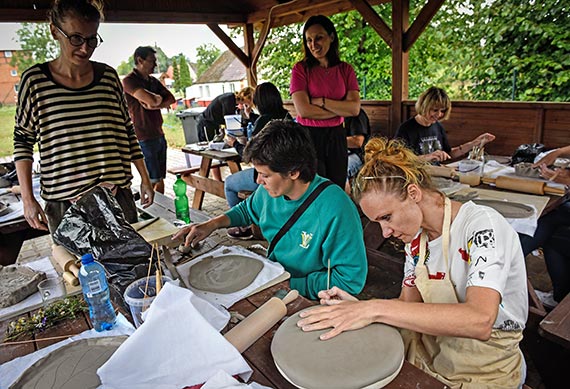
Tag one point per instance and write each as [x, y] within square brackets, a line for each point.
[514, 123]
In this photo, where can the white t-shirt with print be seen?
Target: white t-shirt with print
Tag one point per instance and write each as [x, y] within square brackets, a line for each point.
[484, 250]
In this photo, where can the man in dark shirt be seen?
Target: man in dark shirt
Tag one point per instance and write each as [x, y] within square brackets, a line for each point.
[357, 133]
[145, 97]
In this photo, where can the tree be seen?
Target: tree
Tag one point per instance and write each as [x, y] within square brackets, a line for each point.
[184, 81]
[125, 67]
[206, 54]
[37, 46]
[175, 74]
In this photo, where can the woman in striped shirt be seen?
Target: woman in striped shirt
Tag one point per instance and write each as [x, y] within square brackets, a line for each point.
[76, 111]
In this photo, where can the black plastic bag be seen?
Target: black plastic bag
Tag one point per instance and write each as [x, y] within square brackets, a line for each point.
[526, 153]
[95, 224]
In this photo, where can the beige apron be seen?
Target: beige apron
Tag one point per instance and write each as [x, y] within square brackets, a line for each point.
[460, 362]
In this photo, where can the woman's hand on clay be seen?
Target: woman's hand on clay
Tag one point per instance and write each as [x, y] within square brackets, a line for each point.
[343, 316]
[334, 296]
[436, 156]
[195, 233]
[559, 175]
[548, 159]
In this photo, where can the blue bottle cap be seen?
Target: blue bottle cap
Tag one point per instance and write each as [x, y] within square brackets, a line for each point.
[87, 258]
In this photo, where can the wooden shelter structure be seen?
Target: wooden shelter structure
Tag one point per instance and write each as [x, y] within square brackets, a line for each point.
[516, 123]
[263, 15]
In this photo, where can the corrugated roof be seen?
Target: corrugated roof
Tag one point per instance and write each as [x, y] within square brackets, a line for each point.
[224, 69]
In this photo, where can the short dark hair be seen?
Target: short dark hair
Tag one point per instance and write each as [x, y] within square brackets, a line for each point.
[333, 55]
[285, 147]
[87, 10]
[268, 100]
[143, 52]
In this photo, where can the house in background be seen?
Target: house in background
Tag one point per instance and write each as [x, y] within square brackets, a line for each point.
[9, 79]
[226, 74]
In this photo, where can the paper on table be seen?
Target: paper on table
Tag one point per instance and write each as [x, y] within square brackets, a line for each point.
[222, 380]
[270, 271]
[174, 347]
[34, 300]
[10, 371]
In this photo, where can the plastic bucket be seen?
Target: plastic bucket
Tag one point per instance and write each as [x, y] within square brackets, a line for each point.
[134, 296]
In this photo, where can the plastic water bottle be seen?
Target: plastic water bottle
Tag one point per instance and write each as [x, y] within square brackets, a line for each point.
[181, 200]
[249, 130]
[96, 293]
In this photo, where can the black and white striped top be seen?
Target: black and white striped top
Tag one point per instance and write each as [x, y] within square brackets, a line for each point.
[85, 135]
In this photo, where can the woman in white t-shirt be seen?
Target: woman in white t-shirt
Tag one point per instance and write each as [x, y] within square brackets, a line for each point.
[463, 304]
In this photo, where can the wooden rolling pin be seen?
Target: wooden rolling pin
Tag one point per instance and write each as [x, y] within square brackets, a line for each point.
[259, 322]
[522, 185]
[67, 261]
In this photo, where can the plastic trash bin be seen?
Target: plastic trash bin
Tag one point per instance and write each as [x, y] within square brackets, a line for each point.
[189, 118]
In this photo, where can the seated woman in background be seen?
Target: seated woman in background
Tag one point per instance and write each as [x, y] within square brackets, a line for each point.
[553, 232]
[463, 303]
[424, 133]
[270, 106]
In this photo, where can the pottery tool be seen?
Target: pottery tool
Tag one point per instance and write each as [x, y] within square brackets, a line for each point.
[148, 273]
[68, 263]
[259, 322]
[329, 275]
[158, 271]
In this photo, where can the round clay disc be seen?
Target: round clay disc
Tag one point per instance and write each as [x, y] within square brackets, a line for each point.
[367, 358]
[71, 366]
[224, 274]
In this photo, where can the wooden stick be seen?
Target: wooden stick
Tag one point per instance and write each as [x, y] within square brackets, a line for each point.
[329, 274]
[37, 340]
[158, 272]
[148, 273]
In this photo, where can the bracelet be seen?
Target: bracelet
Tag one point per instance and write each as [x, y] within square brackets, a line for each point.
[323, 104]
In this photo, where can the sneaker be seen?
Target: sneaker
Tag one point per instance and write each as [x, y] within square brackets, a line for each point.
[546, 298]
[243, 233]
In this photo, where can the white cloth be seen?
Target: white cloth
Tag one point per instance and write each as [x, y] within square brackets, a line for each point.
[222, 380]
[10, 371]
[174, 347]
[484, 251]
[270, 271]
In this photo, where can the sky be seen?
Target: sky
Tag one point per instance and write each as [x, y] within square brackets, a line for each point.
[120, 40]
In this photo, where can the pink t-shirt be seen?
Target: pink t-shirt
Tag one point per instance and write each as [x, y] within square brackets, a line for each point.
[333, 83]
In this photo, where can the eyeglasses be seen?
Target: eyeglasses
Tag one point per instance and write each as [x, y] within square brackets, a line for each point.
[77, 40]
[359, 181]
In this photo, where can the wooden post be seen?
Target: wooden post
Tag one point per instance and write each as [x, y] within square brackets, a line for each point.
[249, 44]
[400, 22]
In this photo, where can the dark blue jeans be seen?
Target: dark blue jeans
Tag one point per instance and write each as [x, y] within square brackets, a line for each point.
[553, 234]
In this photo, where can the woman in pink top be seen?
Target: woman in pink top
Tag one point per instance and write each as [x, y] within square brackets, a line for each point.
[325, 90]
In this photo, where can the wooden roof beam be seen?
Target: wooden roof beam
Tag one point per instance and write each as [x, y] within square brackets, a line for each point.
[420, 24]
[230, 44]
[375, 21]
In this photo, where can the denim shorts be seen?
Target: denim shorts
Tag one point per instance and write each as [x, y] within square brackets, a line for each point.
[154, 151]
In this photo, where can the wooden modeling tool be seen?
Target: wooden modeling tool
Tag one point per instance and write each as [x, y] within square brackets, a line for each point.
[259, 322]
[329, 275]
[158, 271]
[148, 273]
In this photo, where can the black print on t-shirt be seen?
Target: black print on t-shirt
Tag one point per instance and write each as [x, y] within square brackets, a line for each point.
[484, 239]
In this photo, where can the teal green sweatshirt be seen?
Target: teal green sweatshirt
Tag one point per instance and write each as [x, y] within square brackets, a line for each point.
[329, 229]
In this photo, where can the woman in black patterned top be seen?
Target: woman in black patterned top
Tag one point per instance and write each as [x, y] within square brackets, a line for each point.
[76, 111]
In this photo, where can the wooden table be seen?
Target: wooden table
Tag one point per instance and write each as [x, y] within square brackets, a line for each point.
[14, 232]
[556, 325]
[258, 355]
[260, 360]
[201, 181]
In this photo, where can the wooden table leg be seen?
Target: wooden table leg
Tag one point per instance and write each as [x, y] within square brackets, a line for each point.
[205, 166]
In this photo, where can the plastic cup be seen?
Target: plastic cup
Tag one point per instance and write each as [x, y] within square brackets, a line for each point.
[134, 296]
[51, 288]
[471, 171]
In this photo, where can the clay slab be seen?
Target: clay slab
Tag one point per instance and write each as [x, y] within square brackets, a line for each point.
[71, 366]
[508, 209]
[224, 274]
[367, 358]
[17, 283]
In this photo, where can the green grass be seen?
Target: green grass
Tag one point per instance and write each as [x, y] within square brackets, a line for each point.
[7, 114]
[172, 130]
